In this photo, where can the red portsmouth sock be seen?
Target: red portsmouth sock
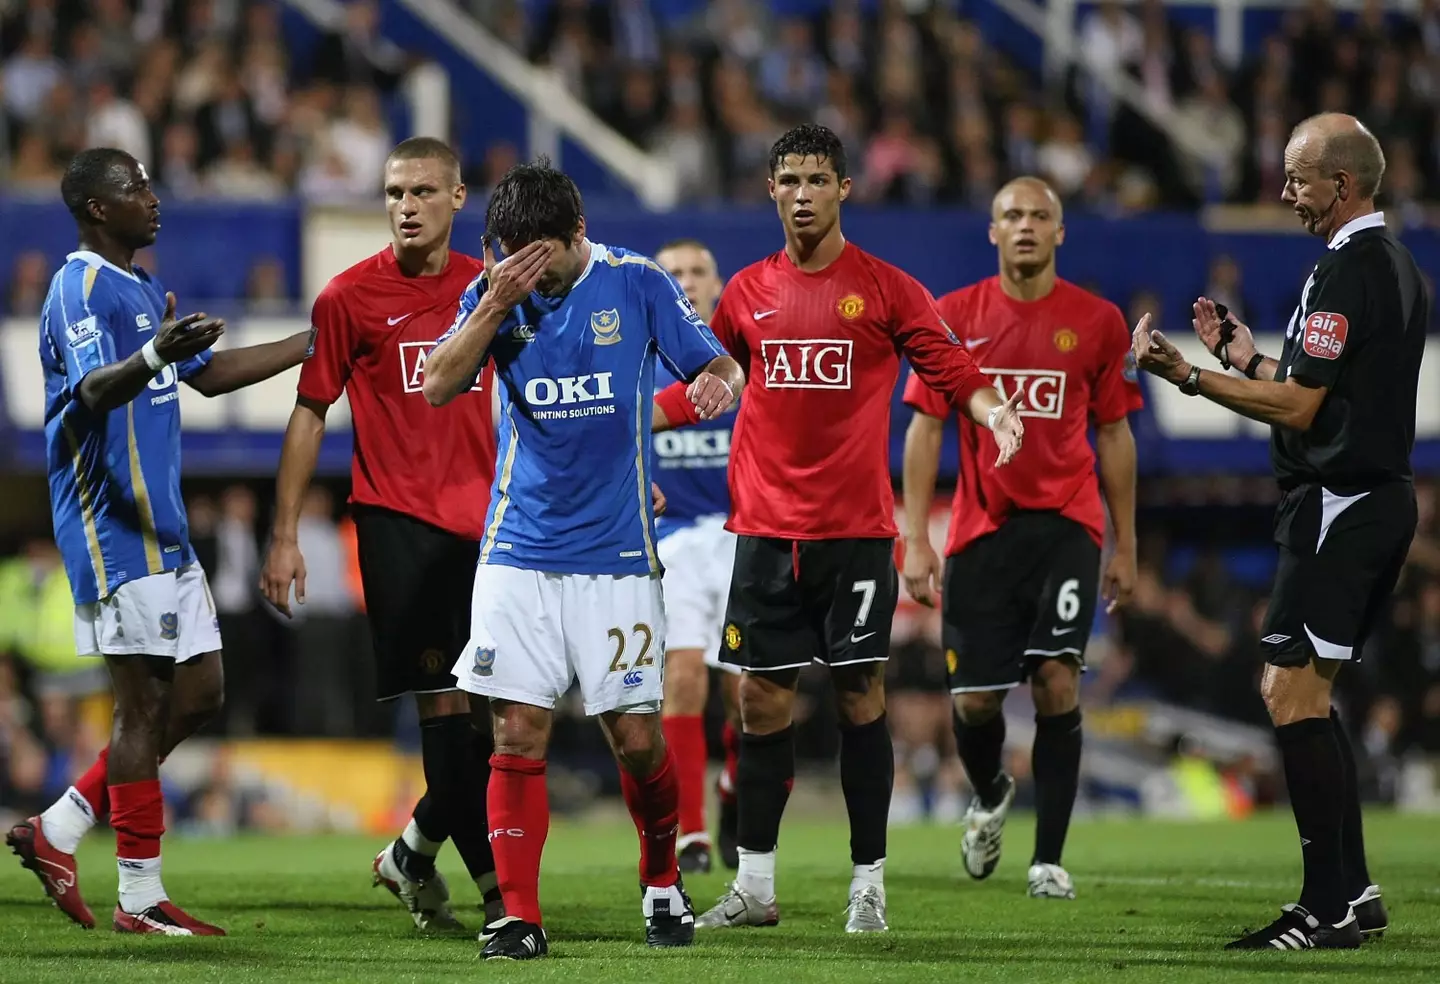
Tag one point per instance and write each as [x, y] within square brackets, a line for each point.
[138, 816]
[654, 804]
[685, 734]
[730, 739]
[518, 806]
[92, 785]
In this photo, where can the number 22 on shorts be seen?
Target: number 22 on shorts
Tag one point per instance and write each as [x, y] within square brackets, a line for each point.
[647, 634]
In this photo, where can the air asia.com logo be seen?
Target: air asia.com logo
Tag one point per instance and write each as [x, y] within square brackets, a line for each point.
[1324, 334]
[807, 363]
[412, 366]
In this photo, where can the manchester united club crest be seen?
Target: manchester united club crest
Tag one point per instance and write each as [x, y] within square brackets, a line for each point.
[850, 307]
[606, 326]
[1066, 340]
[952, 661]
[732, 637]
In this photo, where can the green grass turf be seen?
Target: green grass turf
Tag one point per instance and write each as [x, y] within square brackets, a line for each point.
[1156, 903]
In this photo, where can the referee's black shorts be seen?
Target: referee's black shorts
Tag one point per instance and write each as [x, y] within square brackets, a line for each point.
[417, 581]
[1340, 558]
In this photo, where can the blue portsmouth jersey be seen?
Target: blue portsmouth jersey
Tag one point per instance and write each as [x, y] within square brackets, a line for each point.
[572, 479]
[114, 477]
[691, 466]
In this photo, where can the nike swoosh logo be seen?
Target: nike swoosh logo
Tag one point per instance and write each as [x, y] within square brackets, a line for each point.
[971, 343]
[1060, 632]
[762, 315]
[392, 322]
[855, 638]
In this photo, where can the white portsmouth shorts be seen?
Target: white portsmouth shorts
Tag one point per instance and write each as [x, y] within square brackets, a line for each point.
[532, 634]
[170, 614]
[698, 560]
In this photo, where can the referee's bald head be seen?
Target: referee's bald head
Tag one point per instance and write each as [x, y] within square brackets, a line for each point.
[1335, 144]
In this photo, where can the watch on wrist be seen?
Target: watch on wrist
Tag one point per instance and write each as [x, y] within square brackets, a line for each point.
[1191, 385]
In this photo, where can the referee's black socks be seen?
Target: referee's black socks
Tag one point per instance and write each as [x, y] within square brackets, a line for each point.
[1055, 761]
[867, 777]
[1352, 832]
[457, 771]
[762, 785]
[1315, 777]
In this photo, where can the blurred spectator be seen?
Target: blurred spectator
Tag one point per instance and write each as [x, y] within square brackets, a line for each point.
[685, 144]
[116, 122]
[266, 292]
[34, 171]
[28, 77]
[1063, 158]
[358, 54]
[1212, 119]
[321, 691]
[1225, 287]
[29, 284]
[238, 175]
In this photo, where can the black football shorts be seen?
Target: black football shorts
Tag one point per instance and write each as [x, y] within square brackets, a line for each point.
[794, 602]
[1340, 559]
[417, 581]
[1016, 597]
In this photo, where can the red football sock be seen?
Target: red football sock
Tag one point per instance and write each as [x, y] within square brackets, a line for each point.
[138, 817]
[518, 807]
[92, 785]
[685, 734]
[654, 804]
[730, 738]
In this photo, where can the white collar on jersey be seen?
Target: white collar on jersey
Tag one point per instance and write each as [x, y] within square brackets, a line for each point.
[596, 252]
[1374, 220]
[94, 259]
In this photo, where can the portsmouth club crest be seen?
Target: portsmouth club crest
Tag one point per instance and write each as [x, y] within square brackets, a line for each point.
[606, 326]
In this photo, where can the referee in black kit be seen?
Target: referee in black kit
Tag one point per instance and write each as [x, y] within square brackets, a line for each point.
[1340, 401]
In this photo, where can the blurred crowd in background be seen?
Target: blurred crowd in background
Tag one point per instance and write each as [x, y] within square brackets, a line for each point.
[208, 94]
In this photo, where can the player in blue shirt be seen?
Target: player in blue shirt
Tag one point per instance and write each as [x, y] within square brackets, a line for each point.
[113, 352]
[568, 584]
[698, 554]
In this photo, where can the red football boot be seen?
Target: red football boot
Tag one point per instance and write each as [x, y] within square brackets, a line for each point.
[55, 869]
[165, 918]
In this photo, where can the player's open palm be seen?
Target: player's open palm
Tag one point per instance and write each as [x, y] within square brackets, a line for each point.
[178, 339]
[922, 572]
[1008, 429]
[1214, 331]
[284, 566]
[510, 281]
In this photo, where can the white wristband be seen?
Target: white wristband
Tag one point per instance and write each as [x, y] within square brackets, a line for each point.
[990, 418]
[153, 359]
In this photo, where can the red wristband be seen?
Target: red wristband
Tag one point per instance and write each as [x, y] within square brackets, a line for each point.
[677, 406]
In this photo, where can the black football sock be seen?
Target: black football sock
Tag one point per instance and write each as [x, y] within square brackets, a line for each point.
[1352, 832]
[762, 786]
[980, 747]
[432, 825]
[867, 776]
[456, 777]
[1314, 777]
[1055, 760]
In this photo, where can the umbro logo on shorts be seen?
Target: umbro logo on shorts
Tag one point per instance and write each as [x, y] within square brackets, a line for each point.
[1275, 639]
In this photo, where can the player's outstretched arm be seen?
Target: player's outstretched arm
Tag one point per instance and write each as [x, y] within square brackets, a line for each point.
[235, 369]
[1291, 404]
[114, 385]
[1000, 417]
[450, 369]
[1115, 447]
[922, 570]
[284, 564]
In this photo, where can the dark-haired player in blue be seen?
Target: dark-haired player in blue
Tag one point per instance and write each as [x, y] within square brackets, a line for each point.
[568, 584]
[113, 353]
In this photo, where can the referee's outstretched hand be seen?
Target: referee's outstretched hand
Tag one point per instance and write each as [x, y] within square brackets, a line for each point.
[1156, 355]
[510, 281]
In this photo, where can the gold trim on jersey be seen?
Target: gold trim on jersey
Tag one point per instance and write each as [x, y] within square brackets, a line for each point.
[615, 261]
[507, 468]
[87, 511]
[91, 272]
[642, 408]
[154, 563]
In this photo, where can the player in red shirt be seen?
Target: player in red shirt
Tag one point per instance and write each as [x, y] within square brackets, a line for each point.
[420, 487]
[1023, 554]
[818, 328]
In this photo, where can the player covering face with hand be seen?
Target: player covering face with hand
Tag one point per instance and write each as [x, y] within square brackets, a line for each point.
[568, 584]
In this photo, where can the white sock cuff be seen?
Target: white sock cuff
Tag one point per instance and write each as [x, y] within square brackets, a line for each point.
[418, 842]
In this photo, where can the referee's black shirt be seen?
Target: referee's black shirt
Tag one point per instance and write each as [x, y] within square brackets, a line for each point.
[1359, 331]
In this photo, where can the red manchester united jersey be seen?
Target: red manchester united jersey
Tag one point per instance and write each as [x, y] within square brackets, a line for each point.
[1069, 355]
[809, 457]
[374, 327]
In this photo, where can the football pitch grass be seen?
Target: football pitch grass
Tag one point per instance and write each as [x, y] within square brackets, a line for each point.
[1157, 901]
